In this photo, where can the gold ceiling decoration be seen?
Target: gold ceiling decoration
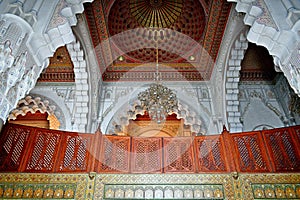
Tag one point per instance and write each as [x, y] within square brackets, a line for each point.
[156, 13]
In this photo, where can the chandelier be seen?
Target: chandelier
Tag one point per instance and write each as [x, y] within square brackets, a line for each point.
[158, 100]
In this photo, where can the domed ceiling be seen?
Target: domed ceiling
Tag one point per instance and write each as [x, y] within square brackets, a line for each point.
[127, 33]
[146, 18]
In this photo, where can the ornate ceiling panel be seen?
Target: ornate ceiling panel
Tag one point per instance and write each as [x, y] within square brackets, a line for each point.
[156, 13]
[60, 69]
[187, 33]
[156, 21]
[257, 64]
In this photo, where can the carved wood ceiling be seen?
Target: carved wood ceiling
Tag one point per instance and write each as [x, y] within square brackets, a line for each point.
[257, 64]
[60, 69]
[126, 33]
[187, 34]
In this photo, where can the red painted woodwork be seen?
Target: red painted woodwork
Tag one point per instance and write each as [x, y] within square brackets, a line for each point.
[179, 154]
[210, 154]
[296, 130]
[204, 26]
[283, 149]
[77, 150]
[250, 154]
[28, 149]
[44, 152]
[146, 156]
[114, 154]
[13, 143]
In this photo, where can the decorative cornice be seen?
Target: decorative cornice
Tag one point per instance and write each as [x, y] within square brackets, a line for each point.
[57, 77]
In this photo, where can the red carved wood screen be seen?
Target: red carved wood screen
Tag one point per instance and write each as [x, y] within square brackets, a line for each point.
[179, 154]
[210, 154]
[28, 149]
[13, 143]
[114, 154]
[251, 155]
[45, 148]
[296, 130]
[77, 150]
[146, 156]
[283, 149]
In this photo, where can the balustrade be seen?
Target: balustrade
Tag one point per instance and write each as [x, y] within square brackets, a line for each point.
[29, 149]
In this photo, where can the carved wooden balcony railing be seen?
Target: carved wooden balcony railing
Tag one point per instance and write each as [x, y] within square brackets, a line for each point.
[30, 149]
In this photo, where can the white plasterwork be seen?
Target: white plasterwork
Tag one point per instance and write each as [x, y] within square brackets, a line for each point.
[281, 41]
[63, 102]
[226, 73]
[260, 106]
[93, 72]
[35, 40]
[120, 104]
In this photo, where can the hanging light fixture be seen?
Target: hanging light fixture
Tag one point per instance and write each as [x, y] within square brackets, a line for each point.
[158, 100]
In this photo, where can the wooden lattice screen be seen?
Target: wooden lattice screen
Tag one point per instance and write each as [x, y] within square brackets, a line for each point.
[146, 155]
[283, 149]
[211, 154]
[114, 154]
[296, 130]
[13, 144]
[77, 150]
[45, 149]
[179, 155]
[28, 149]
[250, 154]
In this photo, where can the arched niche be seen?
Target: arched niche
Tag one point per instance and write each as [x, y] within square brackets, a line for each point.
[198, 122]
[143, 126]
[34, 111]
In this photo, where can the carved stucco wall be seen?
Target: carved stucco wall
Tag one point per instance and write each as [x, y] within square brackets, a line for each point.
[93, 78]
[265, 105]
[275, 25]
[225, 76]
[289, 101]
[22, 19]
[63, 97]
[259, 107]
[81, 109]
[232, 80]
[119, 104]
[39, 104]
[30, 34]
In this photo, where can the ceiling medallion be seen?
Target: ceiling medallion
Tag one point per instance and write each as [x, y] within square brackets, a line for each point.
[156, 3]
[158, 100]
[156, 13]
